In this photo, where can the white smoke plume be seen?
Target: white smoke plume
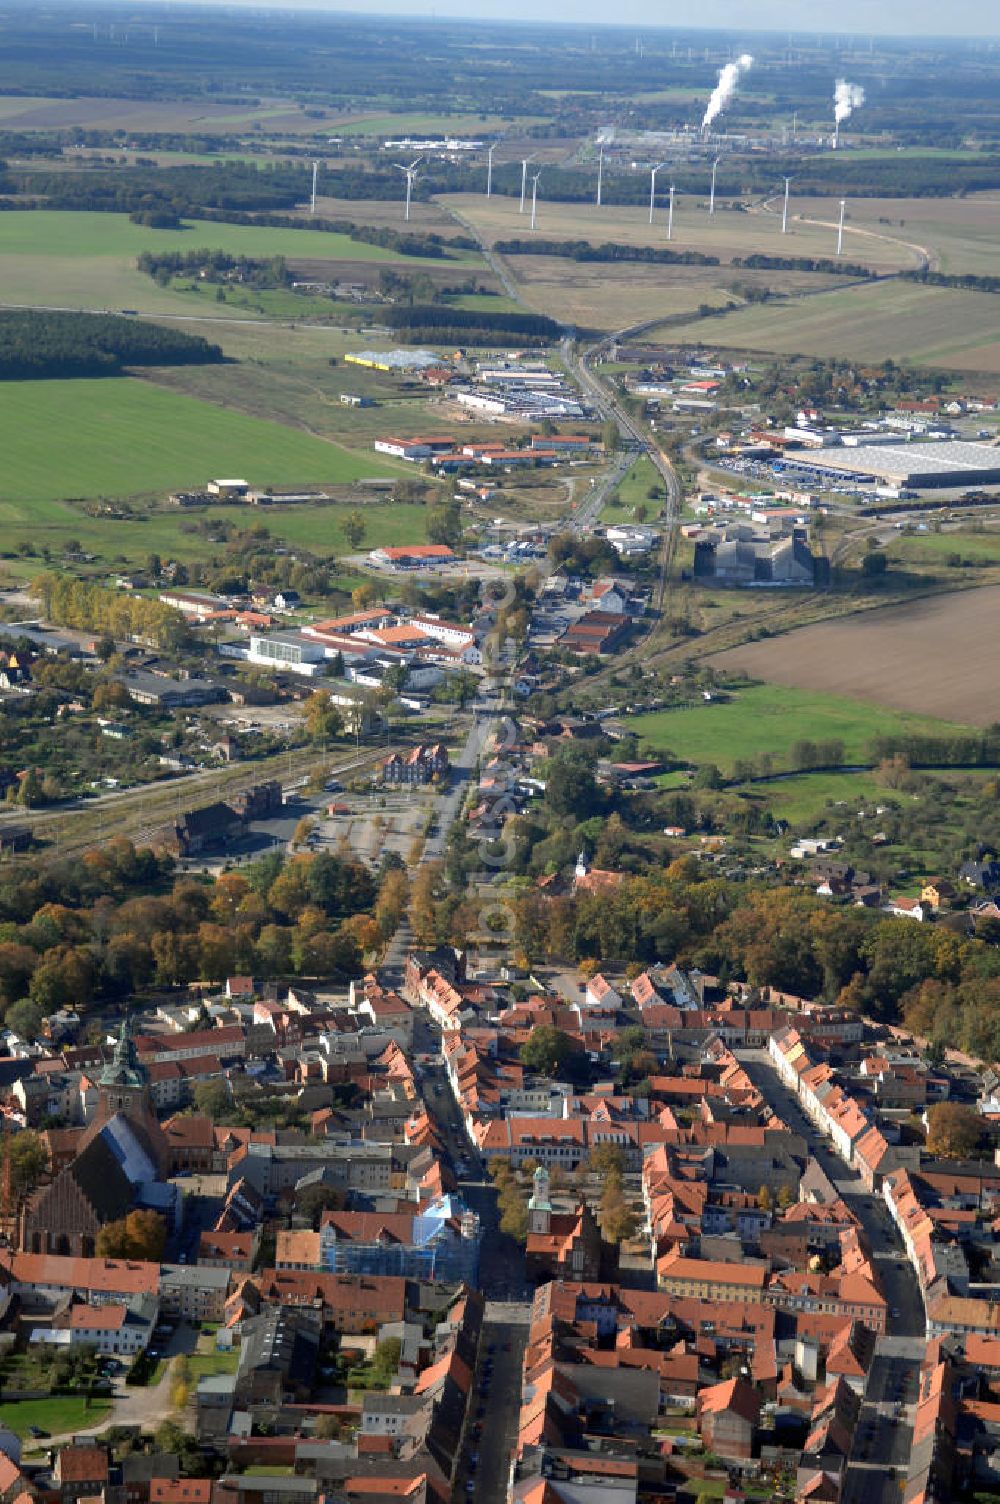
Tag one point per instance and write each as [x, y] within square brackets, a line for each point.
[724, 90]
[846, 99]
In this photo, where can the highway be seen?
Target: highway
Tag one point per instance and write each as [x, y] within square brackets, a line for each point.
[884, 1433]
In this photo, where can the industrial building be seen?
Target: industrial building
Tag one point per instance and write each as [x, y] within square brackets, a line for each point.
[952, 463]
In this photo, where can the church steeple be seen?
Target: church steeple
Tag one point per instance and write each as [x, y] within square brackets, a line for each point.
[124, 1068]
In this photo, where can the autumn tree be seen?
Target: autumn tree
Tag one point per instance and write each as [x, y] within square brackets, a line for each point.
[617, 1221]
[139, 1235]
[29, 1161]
[607, 1159]
[953, 1130]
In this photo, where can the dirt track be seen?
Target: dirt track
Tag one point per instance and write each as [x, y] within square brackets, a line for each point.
[935, 656]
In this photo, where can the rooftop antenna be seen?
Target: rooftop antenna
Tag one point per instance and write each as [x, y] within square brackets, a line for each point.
[312, 196]
[652, 188]
[534, 196]
[524, 181]
[840, 227]
[411, 173]
[489, 168]
[600, 174]
[784, 212]
[711, 196]
[670, 214]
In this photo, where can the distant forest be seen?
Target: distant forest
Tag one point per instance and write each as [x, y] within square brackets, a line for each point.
[51, 345]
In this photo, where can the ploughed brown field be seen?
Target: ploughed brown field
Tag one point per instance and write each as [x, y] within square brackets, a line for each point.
[936, 656]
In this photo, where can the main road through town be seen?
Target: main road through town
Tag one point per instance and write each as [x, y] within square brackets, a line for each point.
[884, 1434]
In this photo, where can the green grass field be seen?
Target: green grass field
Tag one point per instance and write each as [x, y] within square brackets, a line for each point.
[124, 437]
[83, 260]
[769, 718]
[633, 492]
[57, 1415]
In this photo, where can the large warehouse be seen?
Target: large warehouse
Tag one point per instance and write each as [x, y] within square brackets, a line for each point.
[952, 463]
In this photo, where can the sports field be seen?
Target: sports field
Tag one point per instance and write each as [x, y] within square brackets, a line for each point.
[63, 258]
[906, 321]
[771, 718]
[125, 437]
[935, 656]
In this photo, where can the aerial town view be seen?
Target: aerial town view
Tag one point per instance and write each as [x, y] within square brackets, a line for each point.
[499, 753]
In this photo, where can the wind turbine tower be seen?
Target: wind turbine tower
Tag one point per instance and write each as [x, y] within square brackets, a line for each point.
[524, 182]
[312, 196]
[711, 196]
[534, 197]
[670, 215]
[600, 174]
[411, 173]
[489, 169]
[784, 211]
[652, 188]
[840, 227]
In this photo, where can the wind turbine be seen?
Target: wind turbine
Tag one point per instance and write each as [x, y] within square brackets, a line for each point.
[524, 181]
[600, 174]
[711, 196]
[489, 168]
[312, 196]
[784, 212]
[652, 188]
[670, 215]
[534, 196]
[840, 227]
[411, 173]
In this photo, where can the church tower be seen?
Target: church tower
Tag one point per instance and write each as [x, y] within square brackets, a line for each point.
[123, 1089]
[540, 1207]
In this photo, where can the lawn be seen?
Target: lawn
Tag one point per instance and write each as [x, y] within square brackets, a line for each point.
[770, 718]
[123, 437]
[59, 1414]
[204, 1365]
[803, 799]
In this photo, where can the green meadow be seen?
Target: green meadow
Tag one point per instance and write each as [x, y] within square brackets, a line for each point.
[770, 718]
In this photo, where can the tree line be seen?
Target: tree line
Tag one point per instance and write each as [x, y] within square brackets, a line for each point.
[35, 344]
[119, 614]
[608, 250]
[759, 262]
[964, 281]
[467, 325]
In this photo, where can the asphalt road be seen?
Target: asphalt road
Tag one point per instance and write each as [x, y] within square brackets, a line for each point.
[495, 1406]
[884, 1433]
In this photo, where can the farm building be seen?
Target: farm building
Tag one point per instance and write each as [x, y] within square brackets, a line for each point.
[948, 463]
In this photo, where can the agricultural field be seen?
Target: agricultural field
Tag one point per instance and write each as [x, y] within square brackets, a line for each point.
[932, 326]
[125, 437]
[728, 233]
[933, 657]
[87, 260]
[959, 234]
[606, 295]
[769, 719]
[38, 113]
